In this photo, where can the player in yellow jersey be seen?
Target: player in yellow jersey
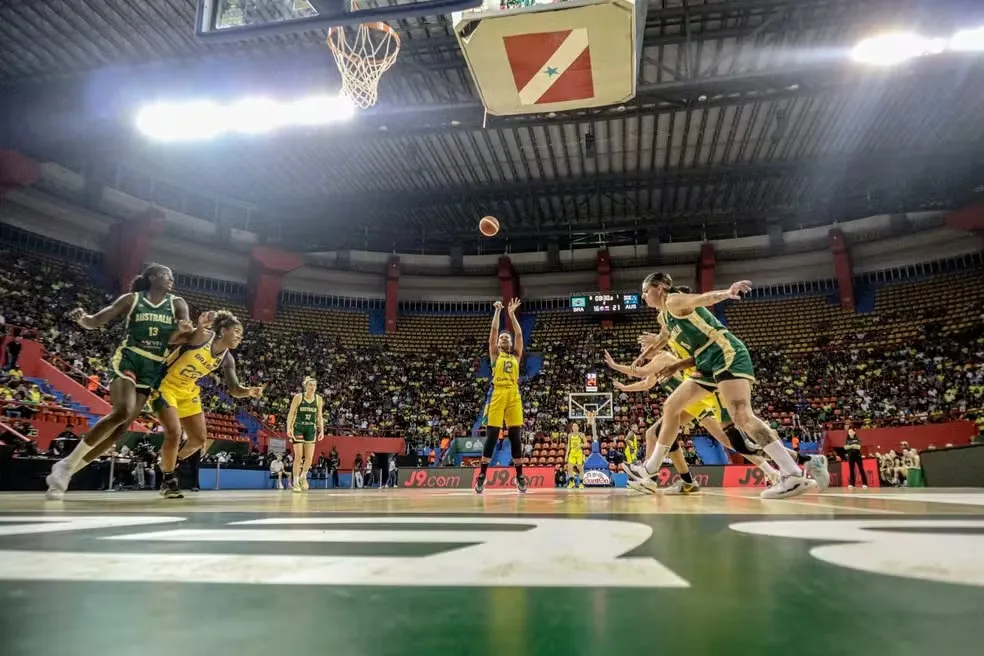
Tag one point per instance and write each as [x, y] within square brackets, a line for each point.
[505, 405]
[177, 400]
[575, 456]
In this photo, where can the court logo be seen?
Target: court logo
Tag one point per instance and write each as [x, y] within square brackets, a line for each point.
[480, 552]
[945, 551]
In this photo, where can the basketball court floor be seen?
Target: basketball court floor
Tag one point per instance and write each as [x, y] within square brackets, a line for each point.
[449, 572]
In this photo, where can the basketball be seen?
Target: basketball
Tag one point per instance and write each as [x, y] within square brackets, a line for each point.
[489, 226]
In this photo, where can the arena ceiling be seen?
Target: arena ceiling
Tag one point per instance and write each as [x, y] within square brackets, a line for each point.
[748, 114]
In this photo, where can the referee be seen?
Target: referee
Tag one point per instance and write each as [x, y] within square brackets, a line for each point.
[852, 446]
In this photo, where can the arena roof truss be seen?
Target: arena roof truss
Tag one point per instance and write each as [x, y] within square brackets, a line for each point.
[747, 114]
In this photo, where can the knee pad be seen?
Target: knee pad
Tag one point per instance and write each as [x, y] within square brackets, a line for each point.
[738, 442]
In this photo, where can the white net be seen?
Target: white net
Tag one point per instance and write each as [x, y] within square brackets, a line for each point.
[362, 56]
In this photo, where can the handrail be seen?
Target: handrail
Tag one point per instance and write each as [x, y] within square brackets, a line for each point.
[15, 330]
[69, 367]
[16, 433]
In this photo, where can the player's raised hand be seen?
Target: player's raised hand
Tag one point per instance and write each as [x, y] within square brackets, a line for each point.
[648, 340]
[739, 288]
[513, 305]
[76, 315]
[255, 392]
[185, 326]
[609, 360]
[498, 306]
[619, 385]
[206, 319]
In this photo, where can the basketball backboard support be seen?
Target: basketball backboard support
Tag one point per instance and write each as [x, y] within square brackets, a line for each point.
[579, 404]
[231, 20]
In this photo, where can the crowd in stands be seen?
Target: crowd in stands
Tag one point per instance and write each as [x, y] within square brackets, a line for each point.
[393, 385]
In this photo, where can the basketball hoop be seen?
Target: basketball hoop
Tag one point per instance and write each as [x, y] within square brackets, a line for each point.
[363, 58]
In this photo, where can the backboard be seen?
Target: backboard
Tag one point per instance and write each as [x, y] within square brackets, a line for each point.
[230, 20]
[579, 404]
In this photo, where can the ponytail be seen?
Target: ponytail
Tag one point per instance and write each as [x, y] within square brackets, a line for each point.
[140, 284]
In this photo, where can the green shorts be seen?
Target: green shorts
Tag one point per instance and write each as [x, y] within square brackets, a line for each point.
[141, 371]
[304, 434]
[725, 359]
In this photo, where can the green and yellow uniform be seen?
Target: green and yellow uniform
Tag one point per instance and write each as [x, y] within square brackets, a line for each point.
[306, 419]
[179, 384]
[145, 344]
[719, 355]
[709, 406]
[505, 404]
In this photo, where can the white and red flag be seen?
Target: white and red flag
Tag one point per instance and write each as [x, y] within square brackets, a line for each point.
[550, 67]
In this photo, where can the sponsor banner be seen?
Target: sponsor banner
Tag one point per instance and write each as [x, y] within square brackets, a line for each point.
[751, 476]
[705, 476]
[591, 383]
[464, 445]
[464, 478]
[596, 478]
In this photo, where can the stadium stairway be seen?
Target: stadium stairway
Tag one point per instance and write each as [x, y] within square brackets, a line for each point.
[377, 321]
[48, 389]
[710, 451]
[247, 419]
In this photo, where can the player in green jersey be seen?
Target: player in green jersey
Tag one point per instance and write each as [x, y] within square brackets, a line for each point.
[305, 426]
[722, 363]
[707, 413]
[154, 316]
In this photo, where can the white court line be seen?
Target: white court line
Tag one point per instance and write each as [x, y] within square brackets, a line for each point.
[948, 498]
[807, 503]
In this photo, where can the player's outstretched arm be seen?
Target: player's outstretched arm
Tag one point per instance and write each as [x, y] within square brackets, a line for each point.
[494, 332]
[236, 389]
[292, 414]
[517, 329]
[623, 369]
[118, 308]
[683, 304]
[639, 386]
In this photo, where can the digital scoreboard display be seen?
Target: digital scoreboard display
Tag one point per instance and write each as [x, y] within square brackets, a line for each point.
[605, 303]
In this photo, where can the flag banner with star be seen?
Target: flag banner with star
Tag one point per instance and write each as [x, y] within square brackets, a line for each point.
[550, 67]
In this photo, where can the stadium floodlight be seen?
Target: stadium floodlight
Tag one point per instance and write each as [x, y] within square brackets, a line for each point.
[894, 48]
[187, 121]
[320, 110]
[971, 40]
[204, 119]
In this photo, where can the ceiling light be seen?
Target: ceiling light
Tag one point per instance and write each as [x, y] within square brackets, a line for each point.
[205, 119]
[971, 40]
[891, 49]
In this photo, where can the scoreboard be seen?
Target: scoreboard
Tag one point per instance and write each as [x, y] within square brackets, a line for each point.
[606, 302]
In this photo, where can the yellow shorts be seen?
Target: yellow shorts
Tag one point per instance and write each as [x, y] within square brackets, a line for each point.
[505, 406]
[576, 458]
[709, 406]
[187, 401]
